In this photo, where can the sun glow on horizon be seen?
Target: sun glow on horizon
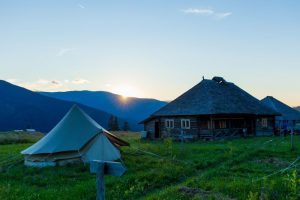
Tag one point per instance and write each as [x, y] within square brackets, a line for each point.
[126, 91]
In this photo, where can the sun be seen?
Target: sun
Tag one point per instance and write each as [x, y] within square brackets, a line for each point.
[126, 91]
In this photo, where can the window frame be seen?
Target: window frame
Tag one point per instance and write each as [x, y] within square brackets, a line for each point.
[169, 123]
[222, 124]
[184, 124]
[264, 122]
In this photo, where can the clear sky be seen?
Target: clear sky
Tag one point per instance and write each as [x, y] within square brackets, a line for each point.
[153, 48]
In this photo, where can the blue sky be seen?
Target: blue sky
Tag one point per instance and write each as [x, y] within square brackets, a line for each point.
[154, 48]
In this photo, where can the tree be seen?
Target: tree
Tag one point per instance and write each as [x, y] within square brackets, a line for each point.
[126, 126]
[116, 124]
[113, 124]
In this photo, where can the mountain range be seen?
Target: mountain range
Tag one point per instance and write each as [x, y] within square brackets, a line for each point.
[132, 108]
[21, 108]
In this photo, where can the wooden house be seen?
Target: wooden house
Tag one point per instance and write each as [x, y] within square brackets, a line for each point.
[210, 110]
[290, 117]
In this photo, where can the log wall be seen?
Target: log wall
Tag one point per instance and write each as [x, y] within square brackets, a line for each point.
[205, 127]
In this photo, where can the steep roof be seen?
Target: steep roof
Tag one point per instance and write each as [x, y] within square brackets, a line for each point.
[287, 112]
[215, 96]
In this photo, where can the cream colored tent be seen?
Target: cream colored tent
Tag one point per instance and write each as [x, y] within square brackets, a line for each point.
[77, 137]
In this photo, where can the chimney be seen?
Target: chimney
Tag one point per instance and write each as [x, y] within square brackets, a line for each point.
[219, 79]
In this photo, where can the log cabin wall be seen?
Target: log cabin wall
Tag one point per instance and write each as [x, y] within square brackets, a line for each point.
[226, 126]
[150, 128]
[207, 127]
[282, 125]
[192, 130]
[263, 129]
[212, 127]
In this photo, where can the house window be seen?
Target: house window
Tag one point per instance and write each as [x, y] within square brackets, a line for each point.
[185, 124]
[222, 124]
[204, 124]
[264, 122]
[169, 123]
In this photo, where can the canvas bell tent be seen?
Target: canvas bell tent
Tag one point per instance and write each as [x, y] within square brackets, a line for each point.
[77, 137]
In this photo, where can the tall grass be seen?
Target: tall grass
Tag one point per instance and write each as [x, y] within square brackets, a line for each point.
[18, 138]
[236, 169]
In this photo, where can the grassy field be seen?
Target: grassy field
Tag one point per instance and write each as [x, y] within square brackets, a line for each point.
[18, 138]
[236, 169]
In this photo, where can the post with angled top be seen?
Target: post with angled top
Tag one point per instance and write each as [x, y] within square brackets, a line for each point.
[100, 168]
[100, 182]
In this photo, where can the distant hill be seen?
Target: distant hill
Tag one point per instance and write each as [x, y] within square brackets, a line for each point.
[130, 108]
[297, 108]
[21, 108]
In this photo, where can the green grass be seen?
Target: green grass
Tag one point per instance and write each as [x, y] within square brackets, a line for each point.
[18, 138]
[199, 170]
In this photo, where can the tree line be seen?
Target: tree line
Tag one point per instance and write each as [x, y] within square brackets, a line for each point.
[113, 124]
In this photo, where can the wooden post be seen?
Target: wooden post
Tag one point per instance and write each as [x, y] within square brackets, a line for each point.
[100, 185]
[100, 168]
[211, 128]
[292, 139]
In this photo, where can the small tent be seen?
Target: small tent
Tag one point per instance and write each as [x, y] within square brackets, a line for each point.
[77, 137]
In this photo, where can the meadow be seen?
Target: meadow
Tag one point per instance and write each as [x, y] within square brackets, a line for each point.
[251, 168]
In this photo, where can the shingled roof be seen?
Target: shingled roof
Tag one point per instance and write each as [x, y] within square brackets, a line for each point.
[214, 96]
[287, 113]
